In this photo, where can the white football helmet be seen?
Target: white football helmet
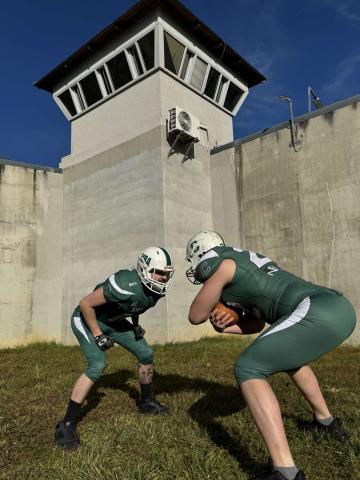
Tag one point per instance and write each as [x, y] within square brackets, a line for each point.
[197, 246]
[155, 260]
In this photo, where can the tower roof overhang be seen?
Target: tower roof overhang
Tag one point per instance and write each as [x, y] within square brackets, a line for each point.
[232, 60]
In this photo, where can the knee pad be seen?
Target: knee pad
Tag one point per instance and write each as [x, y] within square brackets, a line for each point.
[94, 370]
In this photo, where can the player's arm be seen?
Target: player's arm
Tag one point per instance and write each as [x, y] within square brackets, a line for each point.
[87, 307]
[209, 295]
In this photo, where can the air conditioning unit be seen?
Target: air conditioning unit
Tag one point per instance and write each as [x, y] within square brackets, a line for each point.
[183, 123]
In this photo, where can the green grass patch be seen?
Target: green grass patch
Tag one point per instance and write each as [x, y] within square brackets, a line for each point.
[208, 434]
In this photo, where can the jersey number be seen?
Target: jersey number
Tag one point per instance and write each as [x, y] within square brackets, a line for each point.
[254, 258]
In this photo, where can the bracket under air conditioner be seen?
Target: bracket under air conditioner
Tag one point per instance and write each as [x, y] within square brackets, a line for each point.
[176, 140]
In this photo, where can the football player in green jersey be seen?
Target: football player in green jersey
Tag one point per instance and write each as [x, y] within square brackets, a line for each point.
[306, 321]
[99, 321]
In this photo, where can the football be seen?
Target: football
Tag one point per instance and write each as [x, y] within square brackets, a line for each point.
[222, 309]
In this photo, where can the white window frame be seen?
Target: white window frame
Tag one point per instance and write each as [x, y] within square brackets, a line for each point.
[76, 98]
[196, 56]
[131, 61]
[158, 26]
[223, 91]
[61, 105]
[102, 63]
[240, 101]
[102, 83]
[190, 66]
[131, 64]
[141, 58]
[97, 75]
[164, 26]
[217, 85]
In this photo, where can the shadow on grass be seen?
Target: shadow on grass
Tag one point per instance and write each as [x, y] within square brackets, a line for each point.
[221, 401]
[116, 381]
[218, 400]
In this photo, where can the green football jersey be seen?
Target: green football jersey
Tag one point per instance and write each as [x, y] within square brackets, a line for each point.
[125, 296]
[259, 285]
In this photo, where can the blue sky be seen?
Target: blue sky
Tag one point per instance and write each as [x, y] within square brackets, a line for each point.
[294, 44]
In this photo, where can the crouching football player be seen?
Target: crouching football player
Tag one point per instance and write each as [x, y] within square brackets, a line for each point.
[99, 321]
[306, 321]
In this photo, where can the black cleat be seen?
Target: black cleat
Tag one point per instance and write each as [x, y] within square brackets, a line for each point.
[152, 406]
[334, 430]
[66, 435]
[277, 476]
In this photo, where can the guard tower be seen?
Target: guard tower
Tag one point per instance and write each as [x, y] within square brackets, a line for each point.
[147, 98]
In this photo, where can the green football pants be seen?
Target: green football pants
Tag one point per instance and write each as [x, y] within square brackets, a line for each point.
[122, 333]
[318, 324]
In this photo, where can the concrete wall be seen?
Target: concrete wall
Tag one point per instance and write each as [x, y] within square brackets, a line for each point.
[30, 254]
[113, 209]
[123, 189]
[119, 202]
[302, 208]
[187, 209]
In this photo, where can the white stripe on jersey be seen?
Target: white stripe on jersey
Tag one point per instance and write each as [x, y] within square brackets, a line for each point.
[297, 315]
[209, 254]
[80, 327]
[117, 288]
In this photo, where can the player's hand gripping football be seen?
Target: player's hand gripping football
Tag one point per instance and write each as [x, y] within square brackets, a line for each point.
[222, 316]
[104, 342]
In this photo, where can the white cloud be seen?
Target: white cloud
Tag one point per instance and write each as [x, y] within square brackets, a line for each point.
[346, 10]
[345, 70]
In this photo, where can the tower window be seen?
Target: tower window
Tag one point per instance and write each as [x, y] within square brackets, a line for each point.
[174, 52]
[68, 103]
[232, 97]
[212, 82]
[91, 89]
[146, 45]
[198, 73]
[119, 70]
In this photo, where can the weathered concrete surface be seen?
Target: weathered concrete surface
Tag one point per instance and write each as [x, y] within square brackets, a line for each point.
[27, 196]
[121, 201]
[226, 199]
[302, 208]
[113, 209]
[48, 282]
[187, 209]
[63, 233]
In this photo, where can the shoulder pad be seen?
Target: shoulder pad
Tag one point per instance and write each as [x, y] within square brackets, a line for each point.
[207, 266]
[119, 287]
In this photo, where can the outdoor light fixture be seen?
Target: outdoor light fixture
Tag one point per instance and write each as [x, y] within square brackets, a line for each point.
[295, 143]
[315, 100]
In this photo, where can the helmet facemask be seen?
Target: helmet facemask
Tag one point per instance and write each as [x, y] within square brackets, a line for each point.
[197, 246]
[155, 262]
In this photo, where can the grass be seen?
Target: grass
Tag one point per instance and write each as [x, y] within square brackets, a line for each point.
[209, 433]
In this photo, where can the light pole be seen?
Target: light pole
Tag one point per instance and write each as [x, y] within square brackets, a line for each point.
[315, 100]
[294, 141]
